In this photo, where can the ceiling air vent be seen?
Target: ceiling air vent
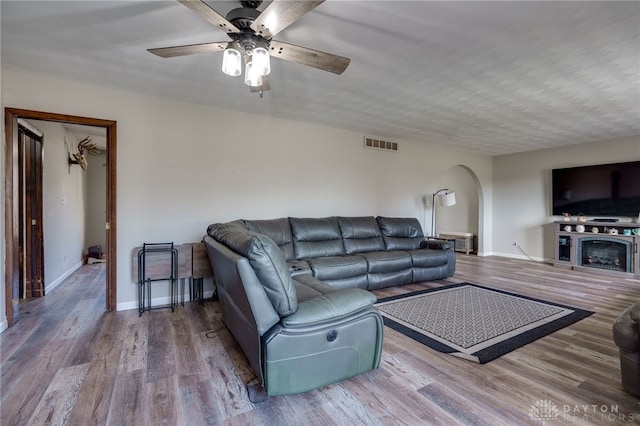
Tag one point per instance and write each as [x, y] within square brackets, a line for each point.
[380, 144]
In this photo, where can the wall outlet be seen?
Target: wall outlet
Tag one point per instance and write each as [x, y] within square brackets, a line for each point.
[515, 243]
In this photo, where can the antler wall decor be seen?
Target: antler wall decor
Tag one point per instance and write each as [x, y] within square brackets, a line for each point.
[85, 145]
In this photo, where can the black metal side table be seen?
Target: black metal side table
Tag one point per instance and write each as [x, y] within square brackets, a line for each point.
[148, 257]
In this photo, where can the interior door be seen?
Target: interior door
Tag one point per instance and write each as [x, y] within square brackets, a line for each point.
[31, 246]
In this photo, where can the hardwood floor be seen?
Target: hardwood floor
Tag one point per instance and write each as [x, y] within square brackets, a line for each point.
[68, 362]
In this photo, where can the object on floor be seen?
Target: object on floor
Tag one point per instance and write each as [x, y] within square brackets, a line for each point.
[93, 255]
[95, 251]
[474, 322]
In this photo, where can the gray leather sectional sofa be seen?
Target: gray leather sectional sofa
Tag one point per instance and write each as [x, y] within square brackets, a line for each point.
[293, 291]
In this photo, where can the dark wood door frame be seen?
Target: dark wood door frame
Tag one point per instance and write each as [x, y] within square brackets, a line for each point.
[11, 230]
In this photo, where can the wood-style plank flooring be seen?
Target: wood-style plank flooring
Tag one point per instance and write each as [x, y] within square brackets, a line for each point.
[68, 362]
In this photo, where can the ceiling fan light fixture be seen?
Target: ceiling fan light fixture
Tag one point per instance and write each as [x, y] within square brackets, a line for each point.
[251, 78]
[251, 32]
[260, 60]
[232, 62]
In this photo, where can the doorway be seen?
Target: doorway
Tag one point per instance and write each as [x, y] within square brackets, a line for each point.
[468, 213]
[12, 200]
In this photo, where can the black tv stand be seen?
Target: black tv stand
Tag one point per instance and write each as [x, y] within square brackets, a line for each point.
[605, 220]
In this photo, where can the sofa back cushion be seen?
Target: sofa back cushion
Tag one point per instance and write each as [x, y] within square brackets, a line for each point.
[237, 225]
[316, 237]
[278, 230]
[265, 258]
[360, 234]
[400, 233]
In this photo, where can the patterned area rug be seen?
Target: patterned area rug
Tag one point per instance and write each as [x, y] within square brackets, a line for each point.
[475, 322]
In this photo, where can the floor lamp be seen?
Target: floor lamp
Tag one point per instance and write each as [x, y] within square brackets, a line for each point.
[445, 199]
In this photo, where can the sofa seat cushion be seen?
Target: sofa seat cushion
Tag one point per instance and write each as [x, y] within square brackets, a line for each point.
[360, 234]
[387, 261]
[329, 308]
[338, 267]
[308, 287]
[388, 269]
[389, 279]
[316, 237]
[278, 230]
[427, 258]
[400, 233]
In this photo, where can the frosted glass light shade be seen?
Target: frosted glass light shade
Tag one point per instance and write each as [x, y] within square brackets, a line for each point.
[232, 62]
[261, 62]
[251, 78]
[447, 199]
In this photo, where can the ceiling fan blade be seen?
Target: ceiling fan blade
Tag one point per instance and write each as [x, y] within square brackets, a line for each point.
[203, 9]
[263, 87]
[190, 49]
[280, 14]
[313, 58]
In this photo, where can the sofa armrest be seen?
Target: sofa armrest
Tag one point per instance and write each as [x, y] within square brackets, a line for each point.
[626, 331]
[634, 312]
[436, 245]
[329, 307]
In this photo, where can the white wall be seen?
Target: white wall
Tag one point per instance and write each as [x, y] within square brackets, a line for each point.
[522, 192]
[183, 166]
[96, 201]
[63, 203]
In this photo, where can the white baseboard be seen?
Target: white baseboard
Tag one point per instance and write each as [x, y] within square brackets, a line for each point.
[4, 325]
[62, 277]
[125, 306]
[159, 301]
[519, 256]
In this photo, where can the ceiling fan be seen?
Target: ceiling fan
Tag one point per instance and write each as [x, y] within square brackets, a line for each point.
[251, 33]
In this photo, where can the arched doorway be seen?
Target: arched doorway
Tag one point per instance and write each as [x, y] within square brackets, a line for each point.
[468, 213]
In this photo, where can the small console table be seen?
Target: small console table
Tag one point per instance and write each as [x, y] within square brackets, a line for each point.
[160, 262]
[462, 241]
[610, 248]
[201, 269]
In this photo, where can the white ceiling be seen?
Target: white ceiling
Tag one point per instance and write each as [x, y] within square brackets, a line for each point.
[491, 77]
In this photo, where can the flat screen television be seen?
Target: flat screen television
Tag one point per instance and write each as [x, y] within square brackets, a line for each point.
[599, 190]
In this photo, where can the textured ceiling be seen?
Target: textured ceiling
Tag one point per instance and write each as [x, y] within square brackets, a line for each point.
[491, 77]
